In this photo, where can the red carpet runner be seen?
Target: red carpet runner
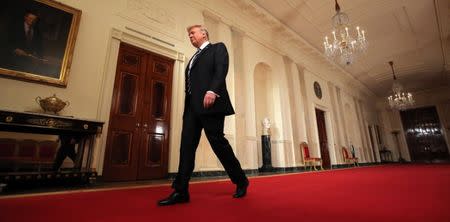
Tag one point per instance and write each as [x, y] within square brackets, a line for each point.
[382, 193]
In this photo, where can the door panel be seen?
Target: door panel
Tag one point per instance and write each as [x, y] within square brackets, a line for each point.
[127, 95]
[130, 60]
[121, 144]
[158, 104]
[153, 160]
[155, 148]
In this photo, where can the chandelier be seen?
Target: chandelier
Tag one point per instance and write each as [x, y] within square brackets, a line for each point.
[399, 99]
[344, 45]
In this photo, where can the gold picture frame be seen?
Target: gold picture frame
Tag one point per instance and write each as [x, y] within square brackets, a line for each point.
[39, 41]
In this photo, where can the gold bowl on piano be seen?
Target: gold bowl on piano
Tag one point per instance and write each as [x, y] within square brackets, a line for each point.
[51, 104]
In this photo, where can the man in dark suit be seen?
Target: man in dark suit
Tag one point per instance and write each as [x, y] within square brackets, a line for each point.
[206, 104]
[24, 49]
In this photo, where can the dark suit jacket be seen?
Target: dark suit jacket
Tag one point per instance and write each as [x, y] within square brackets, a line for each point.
[208, 72]
[18, 39]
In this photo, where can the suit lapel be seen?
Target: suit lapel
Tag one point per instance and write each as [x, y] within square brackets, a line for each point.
[200, 55]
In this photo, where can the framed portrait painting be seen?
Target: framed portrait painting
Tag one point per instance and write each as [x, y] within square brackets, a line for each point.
[38, 40]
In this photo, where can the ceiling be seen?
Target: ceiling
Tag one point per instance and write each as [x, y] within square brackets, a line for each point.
[414, 34]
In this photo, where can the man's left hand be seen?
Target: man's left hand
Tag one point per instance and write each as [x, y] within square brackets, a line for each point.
[209, 99]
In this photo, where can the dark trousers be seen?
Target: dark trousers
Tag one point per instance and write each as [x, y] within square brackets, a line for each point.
[190, 137]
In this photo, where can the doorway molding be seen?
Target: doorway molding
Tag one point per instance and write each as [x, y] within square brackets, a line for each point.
[146, 42]
[332, 151]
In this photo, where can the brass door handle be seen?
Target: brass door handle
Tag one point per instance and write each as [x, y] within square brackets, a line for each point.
[145, 125]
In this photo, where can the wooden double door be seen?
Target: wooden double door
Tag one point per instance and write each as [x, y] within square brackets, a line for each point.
[138, 134]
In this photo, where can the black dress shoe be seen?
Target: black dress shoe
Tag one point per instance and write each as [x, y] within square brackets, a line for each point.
[241, 190]
[174, 198]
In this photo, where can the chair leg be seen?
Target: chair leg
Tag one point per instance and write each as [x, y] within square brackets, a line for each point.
[307, 166]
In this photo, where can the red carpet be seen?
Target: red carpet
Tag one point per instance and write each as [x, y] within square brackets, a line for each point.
[382, 193]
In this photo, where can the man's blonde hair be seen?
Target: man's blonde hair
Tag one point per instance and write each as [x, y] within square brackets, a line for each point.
[202, 29]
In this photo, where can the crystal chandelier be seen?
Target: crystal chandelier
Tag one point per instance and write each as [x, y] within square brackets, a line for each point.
[399, 99]
[344, 45]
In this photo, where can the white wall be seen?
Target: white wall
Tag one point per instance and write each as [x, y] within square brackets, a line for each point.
[250, 40]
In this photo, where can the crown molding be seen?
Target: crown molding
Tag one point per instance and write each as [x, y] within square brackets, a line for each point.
[259, 25]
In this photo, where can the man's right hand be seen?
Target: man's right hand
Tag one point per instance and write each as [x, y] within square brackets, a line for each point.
[209, 99]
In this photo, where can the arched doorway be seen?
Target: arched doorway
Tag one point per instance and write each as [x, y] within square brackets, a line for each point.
[263, 100]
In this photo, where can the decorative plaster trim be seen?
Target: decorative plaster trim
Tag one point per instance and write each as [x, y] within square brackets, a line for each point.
[281, 142]
[152, 15]
[146, 41]
[251, 138]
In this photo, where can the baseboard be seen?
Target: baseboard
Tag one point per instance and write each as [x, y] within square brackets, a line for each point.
[274, 170]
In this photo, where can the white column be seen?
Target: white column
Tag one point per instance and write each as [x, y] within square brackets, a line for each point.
[344, 135]
[336, 124]
[288, 97]
[309, 120]
[243, 153]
